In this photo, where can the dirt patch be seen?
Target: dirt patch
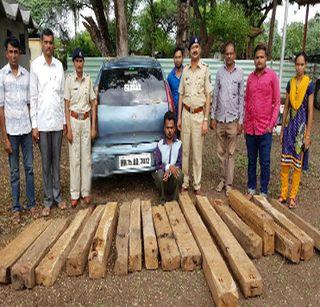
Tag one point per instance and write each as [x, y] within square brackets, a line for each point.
[284, 283]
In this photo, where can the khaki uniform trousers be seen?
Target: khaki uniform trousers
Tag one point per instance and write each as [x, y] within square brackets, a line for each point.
[80, 158]
[191, 137]
[226, 146]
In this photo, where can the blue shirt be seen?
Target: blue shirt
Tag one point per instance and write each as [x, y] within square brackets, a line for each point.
[174, 82]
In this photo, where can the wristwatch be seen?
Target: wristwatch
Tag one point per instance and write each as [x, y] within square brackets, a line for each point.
[206, 118]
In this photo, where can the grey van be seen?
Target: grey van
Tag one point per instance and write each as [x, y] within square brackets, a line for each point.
[133, 97]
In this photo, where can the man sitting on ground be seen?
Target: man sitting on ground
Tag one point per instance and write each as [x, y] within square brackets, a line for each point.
[168, 160]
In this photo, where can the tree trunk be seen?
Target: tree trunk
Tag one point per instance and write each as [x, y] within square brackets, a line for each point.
[206, 41]
[250, 48]
[183, 24]
[99, 31]
[122, 30]
[271, 30]
[153, 27]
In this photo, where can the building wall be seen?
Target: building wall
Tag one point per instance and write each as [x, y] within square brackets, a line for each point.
[17, 28]
[35, 48]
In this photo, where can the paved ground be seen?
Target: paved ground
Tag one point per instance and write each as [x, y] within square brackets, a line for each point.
[284, 283]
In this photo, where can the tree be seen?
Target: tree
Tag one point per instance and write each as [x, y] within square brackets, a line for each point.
[183, 7]
[217, 23]
[52, 14]
[227, 22]
[294, 39]
[256, 11]
[313, 46]
[99, 29]
[271, 28]
[276, 41]
[155, 29]
[122, 31]
[84, 41]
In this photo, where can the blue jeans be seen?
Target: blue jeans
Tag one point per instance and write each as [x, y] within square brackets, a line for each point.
[259, 145]
[25, 141]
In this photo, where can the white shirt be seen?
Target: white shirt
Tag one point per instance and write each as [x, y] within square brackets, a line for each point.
[46, 95]
[14, 98]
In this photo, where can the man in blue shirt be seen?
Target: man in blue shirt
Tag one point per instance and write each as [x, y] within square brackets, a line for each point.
[168, 160]
[174, 78]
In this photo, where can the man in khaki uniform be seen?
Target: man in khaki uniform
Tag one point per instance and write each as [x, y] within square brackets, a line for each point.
[194, 106]
[81, 109]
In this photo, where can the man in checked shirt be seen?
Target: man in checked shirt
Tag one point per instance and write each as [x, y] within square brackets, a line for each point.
[227, 114]
[16, 126]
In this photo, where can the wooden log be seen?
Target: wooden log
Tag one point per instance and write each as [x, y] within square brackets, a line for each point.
[301, 223]
[101, 243]
[13, 251]
[222, 286]
[50, 266]
[149, 237]
[245, 272]
[286, 244]
[135, 244]
[190, 253]
[260, 221]
[122, 240]
[248, 239]
[78, 257]
[22, 273]
[169, 252]
[306, 241]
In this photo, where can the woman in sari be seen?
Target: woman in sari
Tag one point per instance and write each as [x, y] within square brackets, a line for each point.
[295, 133]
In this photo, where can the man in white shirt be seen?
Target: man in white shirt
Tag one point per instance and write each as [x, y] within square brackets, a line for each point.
[15, 125]
[48, 118]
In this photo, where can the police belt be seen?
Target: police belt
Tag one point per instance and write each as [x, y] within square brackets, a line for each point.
[80, 116]
[193, 111]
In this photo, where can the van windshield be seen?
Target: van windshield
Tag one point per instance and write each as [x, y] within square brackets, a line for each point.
[131, 86]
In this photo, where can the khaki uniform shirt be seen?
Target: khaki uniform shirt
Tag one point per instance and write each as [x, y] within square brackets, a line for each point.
[195, 85]
[79, 93]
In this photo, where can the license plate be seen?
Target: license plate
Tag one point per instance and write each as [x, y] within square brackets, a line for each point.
[135, 161]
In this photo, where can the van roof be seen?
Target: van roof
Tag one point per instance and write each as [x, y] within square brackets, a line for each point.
[136, 61]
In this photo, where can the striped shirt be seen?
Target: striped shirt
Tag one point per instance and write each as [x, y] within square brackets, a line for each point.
[14, 98]
[228, 97]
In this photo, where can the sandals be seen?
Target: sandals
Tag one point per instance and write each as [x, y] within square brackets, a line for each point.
[46, 211]
[87, 200]
[74, 203]
[292, 203]
[282, 200]
[62, 205]
[184, 190]
[248, 196]
[16, 218]
[33, 213]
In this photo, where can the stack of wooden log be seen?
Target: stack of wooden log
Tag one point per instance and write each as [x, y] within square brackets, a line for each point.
[219, 237]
